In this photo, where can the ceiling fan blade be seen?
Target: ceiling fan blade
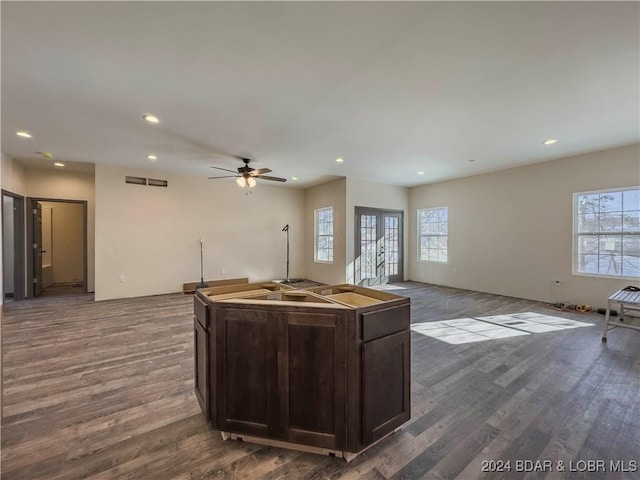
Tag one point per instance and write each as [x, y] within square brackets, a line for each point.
[225, 176]
[274, 179]
[225, 169]
[259, 171]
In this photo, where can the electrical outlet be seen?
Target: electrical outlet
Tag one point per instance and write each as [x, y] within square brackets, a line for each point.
[121, 278]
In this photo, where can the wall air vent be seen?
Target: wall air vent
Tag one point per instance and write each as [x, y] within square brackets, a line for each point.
[157, 183]
[136, 180]
[152, 182]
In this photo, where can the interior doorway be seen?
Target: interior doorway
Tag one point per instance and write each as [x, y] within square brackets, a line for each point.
[379, 246]
[57, 235]
[12, 246]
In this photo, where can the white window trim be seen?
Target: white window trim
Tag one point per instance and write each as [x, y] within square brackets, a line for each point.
[442, 262]
[574, 233]
[315, 234]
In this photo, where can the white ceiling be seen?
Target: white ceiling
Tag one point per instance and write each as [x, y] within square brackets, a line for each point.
[394, 88]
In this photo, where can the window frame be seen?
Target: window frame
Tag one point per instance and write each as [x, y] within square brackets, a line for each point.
[575, 234]
[419, 232]
[316, 234]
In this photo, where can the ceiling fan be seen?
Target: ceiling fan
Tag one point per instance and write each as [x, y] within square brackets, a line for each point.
[246, 176]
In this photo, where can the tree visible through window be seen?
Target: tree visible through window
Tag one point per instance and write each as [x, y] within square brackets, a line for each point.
[324, 234]
[433, 227]
[607, 232]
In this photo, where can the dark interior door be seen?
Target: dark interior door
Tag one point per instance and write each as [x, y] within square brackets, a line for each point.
[13, 245]
[37, 248]
[378, 249]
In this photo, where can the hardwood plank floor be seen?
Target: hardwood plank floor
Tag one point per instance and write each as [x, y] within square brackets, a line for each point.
[105, 390]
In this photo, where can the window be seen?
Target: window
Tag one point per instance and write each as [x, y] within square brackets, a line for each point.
[432, 234]
[324, 234]
[606, 228]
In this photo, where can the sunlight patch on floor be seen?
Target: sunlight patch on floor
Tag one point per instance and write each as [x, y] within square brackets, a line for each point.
[467, 330]
[387, 287]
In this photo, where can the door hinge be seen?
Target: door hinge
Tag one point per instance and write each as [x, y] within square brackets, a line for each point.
[34, 211]
[35, 245]
[35, 280]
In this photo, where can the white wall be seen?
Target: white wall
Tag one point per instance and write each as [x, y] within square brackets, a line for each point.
[151, 235]
[331, 194]
[14, 176]
[510, 232]
[68, 185]
[362, 193]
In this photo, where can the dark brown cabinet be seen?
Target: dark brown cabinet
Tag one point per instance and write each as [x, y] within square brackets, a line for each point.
[301, 367]
[386, 398]
[246, 365]
[311, 378]
[201, 355]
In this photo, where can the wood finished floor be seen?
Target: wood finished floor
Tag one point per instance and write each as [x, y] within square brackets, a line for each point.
[105, 390]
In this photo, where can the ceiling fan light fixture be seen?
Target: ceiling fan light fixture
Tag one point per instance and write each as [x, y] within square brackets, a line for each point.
[246, 182]
[246, 176]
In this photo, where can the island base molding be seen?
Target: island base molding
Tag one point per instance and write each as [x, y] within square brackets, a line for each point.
[347, 456]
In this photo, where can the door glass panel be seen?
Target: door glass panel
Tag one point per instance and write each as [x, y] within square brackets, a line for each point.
[391, 245]
[368, 228]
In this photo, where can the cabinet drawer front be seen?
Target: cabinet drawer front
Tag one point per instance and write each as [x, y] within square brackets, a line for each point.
[201, 310]
[381, 323]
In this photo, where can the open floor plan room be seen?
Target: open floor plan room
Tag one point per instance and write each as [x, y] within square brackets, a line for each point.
[105, 390]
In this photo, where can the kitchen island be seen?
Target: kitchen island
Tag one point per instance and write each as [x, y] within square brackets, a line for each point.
[325, 369]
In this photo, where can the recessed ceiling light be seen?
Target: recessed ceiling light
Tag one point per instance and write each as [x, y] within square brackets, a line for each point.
[47, 155]
[23, 134]
[59, 164]
[550, 141]
[294, 178]
[149, 117]
[151, 156]
[471, 160]
[339, 160]
[420, 173]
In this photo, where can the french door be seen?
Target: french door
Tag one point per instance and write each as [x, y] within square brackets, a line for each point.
[378, 249]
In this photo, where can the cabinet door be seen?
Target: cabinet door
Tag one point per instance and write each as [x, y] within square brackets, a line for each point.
[386, 397]
[247, 371]
[201, 366]
[312, 376]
